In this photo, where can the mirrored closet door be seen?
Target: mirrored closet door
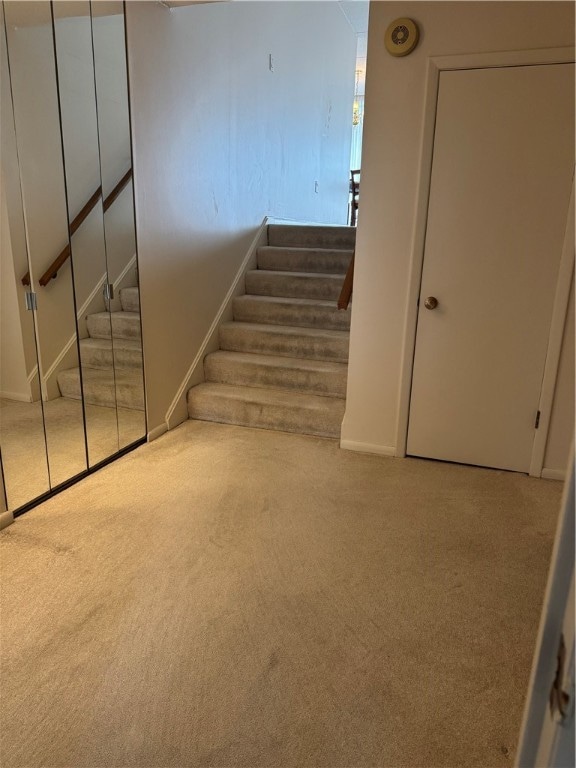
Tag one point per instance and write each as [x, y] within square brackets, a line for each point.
[73, 338]
[23, 443]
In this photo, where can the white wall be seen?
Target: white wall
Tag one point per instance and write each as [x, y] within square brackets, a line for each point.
[112, 91]
[16, 327]
[75, 65]
[220, 141]
[13, 375]
[395, 91]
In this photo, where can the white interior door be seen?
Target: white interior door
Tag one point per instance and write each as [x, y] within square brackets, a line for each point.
[500, 187]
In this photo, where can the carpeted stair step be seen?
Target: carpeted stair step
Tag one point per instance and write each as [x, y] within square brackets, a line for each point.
[267, 409]
[304, 259]
[245, 369]
[299, 285]
[278, 310]
[123, 325]
[285, 341]
[106, 387]
[130, 299]
[100, 353]
[303, 236]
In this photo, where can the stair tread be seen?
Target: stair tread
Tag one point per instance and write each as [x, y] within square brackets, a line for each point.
[283, 300]
[313, 236]
[305, 249]
[291, 311]
[277, 409]
[119, 343]
[299, 285]
[121, 324]
[118, 352]
[104, 375]
[309, 260]
[301, 363]
[121, 313]
[279, 273]
[122, 387]
[261, 396]
[287, 330]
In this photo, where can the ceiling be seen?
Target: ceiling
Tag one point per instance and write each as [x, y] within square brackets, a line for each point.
[356, 12]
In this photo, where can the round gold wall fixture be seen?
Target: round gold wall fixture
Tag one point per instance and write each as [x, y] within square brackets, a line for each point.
[401, 37]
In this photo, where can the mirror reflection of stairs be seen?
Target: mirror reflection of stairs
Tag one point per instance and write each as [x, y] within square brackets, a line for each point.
[283, 360]
[111, 358]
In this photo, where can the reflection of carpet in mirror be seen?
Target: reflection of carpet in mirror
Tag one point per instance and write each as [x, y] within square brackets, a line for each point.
[23, 451]
[27, 472]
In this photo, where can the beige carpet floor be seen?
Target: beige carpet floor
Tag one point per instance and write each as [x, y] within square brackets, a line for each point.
[235, 597]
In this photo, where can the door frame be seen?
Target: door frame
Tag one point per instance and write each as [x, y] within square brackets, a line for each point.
[545, 734]
[436, 65]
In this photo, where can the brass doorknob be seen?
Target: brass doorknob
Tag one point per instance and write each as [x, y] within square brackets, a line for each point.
[431, 302]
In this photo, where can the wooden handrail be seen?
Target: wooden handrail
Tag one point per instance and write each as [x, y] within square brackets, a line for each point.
[83, 215]
[117, 189]
[346, 291]
[64, 254]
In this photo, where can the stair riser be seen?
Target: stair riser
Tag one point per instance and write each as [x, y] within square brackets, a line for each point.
[261, 342]
[254, 311]
[326, 287]
[282, 418]
[102, 358]
[295, 260]
[104, 395]
[130, 299]
[122, 327]
[251, 375]
[311, 237]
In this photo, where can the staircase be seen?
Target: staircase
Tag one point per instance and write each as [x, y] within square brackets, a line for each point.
[111, 358]
[283, 361]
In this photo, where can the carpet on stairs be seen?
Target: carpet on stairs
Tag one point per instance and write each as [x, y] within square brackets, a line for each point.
[282, 363]
[111, 359]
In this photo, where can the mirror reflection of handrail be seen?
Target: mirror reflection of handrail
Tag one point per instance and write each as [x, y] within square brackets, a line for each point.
[62, 257]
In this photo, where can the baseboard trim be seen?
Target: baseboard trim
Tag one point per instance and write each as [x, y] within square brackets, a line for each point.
[554, 474]
[194, 374]
[379, 450]
[157, 432]
[124, 272]
[6, 519]
[93, 294]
